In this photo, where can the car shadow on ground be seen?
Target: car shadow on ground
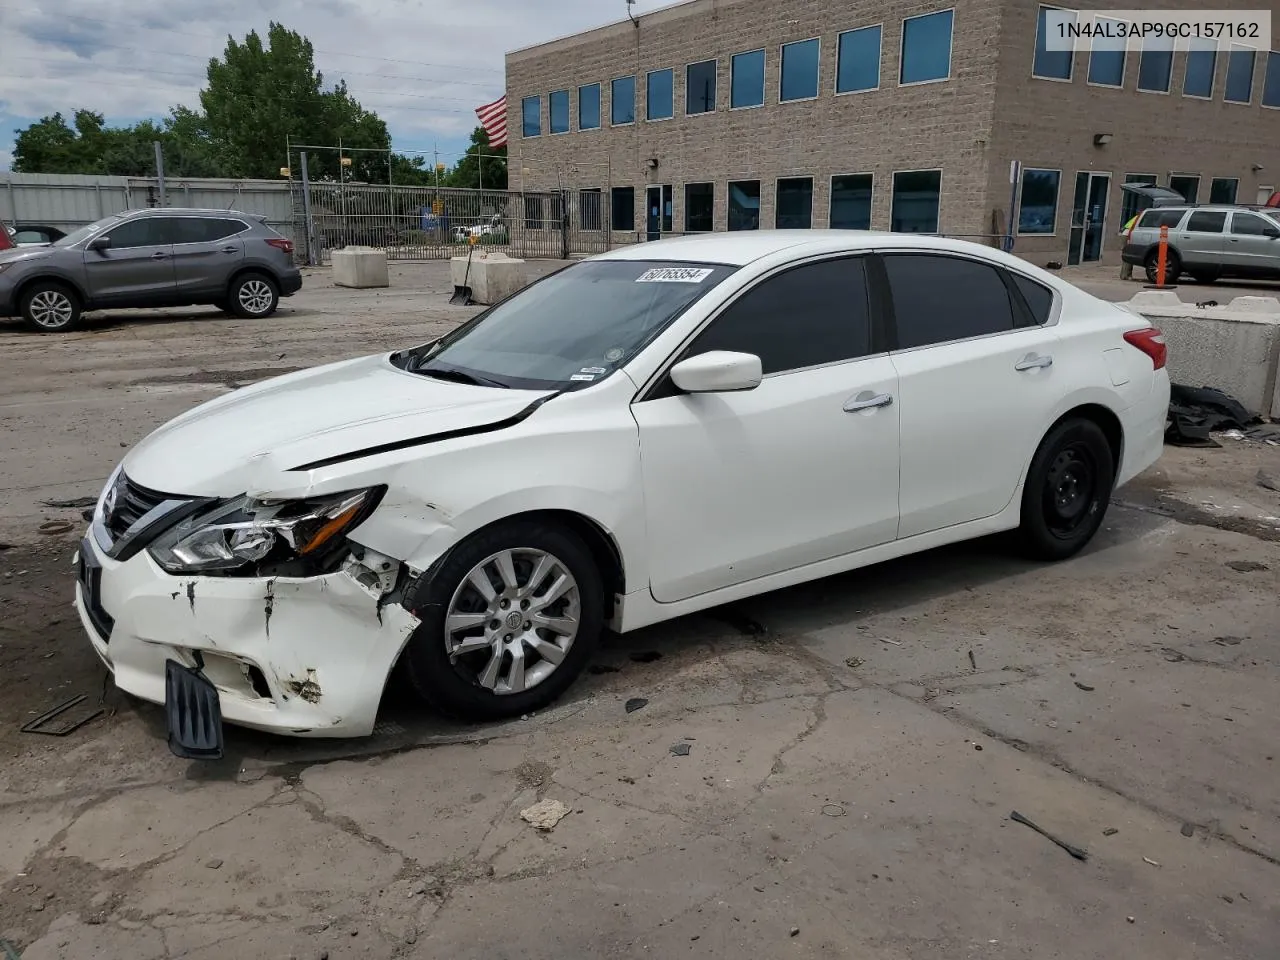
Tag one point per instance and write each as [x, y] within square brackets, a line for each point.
[101, 322]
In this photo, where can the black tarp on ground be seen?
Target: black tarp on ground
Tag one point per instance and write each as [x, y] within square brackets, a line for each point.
[1194, 412]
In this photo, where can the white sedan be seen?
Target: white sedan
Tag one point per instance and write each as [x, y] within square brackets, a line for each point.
[651, 432]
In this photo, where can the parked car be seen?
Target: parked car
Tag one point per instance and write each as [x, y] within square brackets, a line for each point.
[492, 230]
[664, 428]
[163, 257]
[6, 237]
[1208, 242]
[36, 234]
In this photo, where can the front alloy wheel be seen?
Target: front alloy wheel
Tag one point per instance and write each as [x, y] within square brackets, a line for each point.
[50, 308]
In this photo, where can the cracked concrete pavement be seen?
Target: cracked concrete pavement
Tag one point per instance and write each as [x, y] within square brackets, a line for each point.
[856, 745]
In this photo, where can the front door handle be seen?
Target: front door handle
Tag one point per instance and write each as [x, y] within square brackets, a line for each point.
[1033, 362]
[228, 249]
[866, 401]
[159, 255]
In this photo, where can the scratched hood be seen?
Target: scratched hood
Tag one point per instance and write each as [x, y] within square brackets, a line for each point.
[232, 444]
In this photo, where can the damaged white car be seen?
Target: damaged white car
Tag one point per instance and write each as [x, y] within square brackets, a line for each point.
[658, 430]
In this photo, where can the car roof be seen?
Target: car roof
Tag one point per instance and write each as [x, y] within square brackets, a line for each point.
[188, 212]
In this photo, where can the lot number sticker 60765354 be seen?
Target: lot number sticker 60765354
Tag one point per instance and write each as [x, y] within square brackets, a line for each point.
[674, 275]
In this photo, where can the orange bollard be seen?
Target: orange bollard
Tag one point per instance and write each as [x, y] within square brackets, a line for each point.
[1162, 256]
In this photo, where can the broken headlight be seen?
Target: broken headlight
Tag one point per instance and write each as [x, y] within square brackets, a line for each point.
[295, 535]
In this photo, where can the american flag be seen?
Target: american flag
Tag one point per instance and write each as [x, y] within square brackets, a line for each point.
[493, 117]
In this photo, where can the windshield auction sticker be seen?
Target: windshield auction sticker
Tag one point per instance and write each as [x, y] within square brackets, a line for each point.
[674, 275]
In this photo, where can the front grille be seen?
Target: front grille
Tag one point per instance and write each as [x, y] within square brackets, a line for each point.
[132, 502]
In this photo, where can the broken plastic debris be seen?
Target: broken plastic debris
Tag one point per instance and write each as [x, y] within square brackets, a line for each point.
[680, 749]
[545, 814]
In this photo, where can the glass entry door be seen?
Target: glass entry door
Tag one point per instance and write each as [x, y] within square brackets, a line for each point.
[1088, 217]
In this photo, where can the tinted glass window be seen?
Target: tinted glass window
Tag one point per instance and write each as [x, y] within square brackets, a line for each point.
[916, 194]
[1106, 60]
[1159, 217]
[746, 79]
[1188, 186]
[1054, 64]
[661, 89]
[744, 205]
[1247, 224]
[589, 107]
[1271, 85]
[700, 87]
[936, 299]
[1223, 190]
[531, 114]
[205, 229]
[1206, 221]
[809, 315]
[851, 202]
[858, 60]
[1239, 76]
[624, 208]
[1039, 298]
[1201, 66]
[623, 101]
[560, 111]
[1154, 69]
[926, 48]
[699, 207]
[144, 232]
[1038, 212]
[799, 71]
[794, 209]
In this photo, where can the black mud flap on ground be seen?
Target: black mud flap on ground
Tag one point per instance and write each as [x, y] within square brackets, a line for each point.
[193, 713]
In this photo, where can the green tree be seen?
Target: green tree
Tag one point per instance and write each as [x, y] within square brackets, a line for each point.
[480, 165]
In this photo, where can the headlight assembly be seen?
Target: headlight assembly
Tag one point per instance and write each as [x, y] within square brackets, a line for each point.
[301, 533]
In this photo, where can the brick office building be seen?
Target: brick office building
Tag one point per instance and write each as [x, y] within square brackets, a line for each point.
[731, 114]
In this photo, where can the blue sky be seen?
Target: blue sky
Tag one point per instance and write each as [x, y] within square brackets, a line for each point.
[422, 65]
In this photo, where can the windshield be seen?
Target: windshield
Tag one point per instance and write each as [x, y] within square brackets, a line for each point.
[84, 233]
[573, 328]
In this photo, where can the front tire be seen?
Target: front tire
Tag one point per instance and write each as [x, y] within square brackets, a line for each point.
[50, 307]
[1067, 491]
[253, 296]
[509, 620]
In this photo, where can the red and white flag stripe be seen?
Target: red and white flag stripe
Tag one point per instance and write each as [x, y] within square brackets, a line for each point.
[493, 117]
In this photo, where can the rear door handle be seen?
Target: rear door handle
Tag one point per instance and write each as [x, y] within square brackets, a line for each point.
[228, 249]
[159, 255]
[866, 401]
[1033, 362]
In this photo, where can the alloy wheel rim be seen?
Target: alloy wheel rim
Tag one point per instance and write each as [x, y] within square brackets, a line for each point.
[51, 309]
[512, 620]
[1070, 491]
[255, 296]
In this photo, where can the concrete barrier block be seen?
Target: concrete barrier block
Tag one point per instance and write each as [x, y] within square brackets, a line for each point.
[1155, 298]
[493, 276]
[360, 267]
[1233, 355]
[1264, 305]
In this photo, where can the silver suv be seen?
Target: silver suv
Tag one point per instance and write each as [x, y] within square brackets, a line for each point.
[165, 257]
[1208, 243]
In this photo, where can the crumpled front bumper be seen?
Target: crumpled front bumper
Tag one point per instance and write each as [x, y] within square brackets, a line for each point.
[301, 657]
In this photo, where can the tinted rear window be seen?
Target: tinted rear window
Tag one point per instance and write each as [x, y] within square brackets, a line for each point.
[1207, 221]
[1038, 297]
[939, 298]
[1158, 218]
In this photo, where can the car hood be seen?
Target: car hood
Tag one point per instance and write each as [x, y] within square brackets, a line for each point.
[245, 441]
[25, 252]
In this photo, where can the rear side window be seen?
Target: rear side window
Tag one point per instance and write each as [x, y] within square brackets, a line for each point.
[810, 315]
[1249, 224]
[1038, 297]
[207, 229]
[1158, 218]
[937, 298]
[1207, 221]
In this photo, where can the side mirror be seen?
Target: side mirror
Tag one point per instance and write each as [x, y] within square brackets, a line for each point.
[718, 371]
[100, 243]
[1274, 233]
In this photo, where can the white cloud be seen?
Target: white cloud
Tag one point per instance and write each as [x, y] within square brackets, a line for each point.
[422, 65]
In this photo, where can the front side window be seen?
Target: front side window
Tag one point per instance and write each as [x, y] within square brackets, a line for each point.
[1239, 76]
[744, 205]
[799, 71]
[700, 87]
[531, 114]
[1038, 211]
[659, 93]
[143, 232]
[1271, 85]
[794, 208]
[1051, 64]
[858, 60]
[1206, 221]
[1202, 64]
[916, 198]
[573, 328]
[806, 316]
[623, 208]
[1155, 66]
[699, 207]
[1251, 225]
[1223, 189]
[937, 299]
[560, 111]
[1188, 186]
[851, 202]
[746, 79]
[926, 48]
[622, 97]
[589, 107]
[1106, 59]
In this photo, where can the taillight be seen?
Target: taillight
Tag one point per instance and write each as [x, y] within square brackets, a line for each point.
[280, 243]
[1151, 342]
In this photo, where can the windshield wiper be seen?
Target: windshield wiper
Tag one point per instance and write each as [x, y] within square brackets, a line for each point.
[459, 376]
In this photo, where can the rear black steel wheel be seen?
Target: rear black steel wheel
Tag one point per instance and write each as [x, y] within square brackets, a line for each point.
[1067, 491]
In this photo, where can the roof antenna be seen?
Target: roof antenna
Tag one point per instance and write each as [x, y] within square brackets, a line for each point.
[634, 22]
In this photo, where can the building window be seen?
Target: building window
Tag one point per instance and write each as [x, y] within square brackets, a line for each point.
[794, 209]
[1038, 208]
[589, 107]
[746, 79]
[560, 111]
[659, 100]
[623, 208]
[1202, 64]
[531, 110]
[1223, 189]
[1155, 67]
[1051, 64]
[622, 105]
[1186, 185]
[799, 71]
[926, 48]
[1271, 85]
[1106, 60]
[1131, 204]
[858, 60]
[916, 196]
[1240, 64]
[589, 209]
[851, 202]
[700, 87]
[744, 205]
[699, 207]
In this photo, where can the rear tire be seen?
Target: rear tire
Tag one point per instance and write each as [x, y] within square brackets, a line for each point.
[50, 307]
[253, 296]
[1067, 491]
[1172, 267]
[461, 660]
